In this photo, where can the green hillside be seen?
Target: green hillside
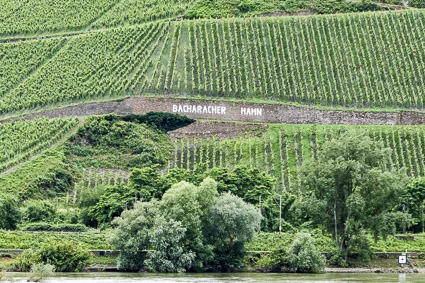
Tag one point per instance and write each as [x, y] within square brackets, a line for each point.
[346, 59]
[23, 139]
[47, 16]
[353, 60]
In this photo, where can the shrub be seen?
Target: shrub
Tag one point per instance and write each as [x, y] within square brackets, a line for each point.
[25, 260]
[37, 210]
[304, 257]
[66, 256]
[9, 212]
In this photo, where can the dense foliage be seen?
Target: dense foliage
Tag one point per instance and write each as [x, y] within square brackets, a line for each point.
[347, 191]
[225, 9]
[301, 256]
[9, 212]
[414, 201]
[64, 255]
[47, 175]
[31, 240]
[110, 142]
[352, 60]
[191, 228]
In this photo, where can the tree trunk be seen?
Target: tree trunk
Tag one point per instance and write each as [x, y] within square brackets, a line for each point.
[336, 228]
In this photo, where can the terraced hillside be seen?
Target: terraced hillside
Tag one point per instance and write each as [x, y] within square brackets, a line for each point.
[282, 150]
[23, 139]
[352, 60]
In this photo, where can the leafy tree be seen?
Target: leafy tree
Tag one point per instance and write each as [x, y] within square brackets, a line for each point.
[145, 183]
[347, 189]
[232, 222]
[303, 255]
[167, 239]
[9, 212]
[244, 182]
[414, 198]
[190, 205]
[131, 234]
[111, 204]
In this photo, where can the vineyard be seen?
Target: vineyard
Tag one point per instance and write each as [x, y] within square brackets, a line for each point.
[92, 178]
[283, 149]
[23, 139]
[88, 67]
[40, 16]
[356, 60]
[32, 16]
[19, 60]
[348, 60]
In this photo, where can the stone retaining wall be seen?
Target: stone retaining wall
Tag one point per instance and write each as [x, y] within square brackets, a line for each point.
[235, 111]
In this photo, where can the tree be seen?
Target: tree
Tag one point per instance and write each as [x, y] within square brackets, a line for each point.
[168, 254]
[232, 222]
[190, 205]
[348, 190]
[247, 183]
[9, 212]
[131, 234]
[303, 255]
[414, 198]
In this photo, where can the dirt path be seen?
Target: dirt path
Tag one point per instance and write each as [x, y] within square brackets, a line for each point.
[217, 110]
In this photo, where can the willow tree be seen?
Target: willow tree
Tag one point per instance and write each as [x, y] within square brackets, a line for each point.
[350, 191]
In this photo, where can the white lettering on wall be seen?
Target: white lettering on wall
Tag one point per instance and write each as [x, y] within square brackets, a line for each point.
[199, 109]
[251, 111]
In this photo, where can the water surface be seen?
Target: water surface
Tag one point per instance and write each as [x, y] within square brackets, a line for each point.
[224, 277]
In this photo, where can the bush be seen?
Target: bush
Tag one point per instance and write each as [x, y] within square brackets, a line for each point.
[9, 212]
[65, 227]
[162, 120]
[25, 260]
[36, 211]
[66, 256]
[304, 257]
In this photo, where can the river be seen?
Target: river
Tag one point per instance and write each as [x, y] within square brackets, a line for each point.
[224, 277]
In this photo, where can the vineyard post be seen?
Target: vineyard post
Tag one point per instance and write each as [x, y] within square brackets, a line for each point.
[280, 211]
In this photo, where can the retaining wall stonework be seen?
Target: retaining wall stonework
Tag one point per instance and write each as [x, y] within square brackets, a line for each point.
[235, 111]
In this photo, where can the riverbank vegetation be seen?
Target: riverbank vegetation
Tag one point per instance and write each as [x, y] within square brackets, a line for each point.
[119, 183]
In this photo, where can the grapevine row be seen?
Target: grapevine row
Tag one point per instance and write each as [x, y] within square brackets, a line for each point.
[283, 149]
